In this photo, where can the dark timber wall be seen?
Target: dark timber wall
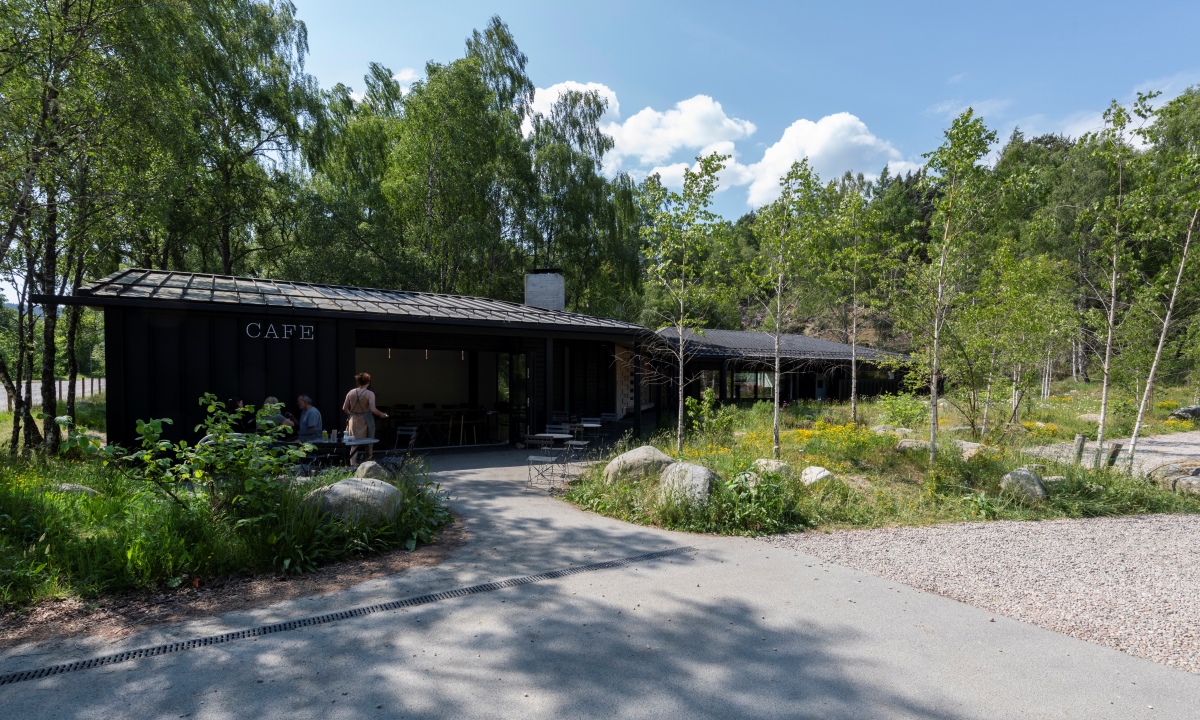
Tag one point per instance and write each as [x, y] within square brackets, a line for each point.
[162, 362]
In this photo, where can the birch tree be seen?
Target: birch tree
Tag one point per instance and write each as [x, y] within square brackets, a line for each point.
[1112, 146]
[790, 232]
[958, 175]
[678, 252]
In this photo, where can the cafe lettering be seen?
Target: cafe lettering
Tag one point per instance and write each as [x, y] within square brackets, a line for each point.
[279, 331]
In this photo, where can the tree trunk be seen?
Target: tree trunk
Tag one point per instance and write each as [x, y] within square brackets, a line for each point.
[937, 330]
[682, 413]
[48, 276]
[1108, 348]
[1112, 316]
[987, 402]
[854, 339]
[778, 331]
[1162, 339]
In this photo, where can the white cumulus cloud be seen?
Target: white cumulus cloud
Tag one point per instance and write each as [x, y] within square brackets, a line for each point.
[651, 136]
[544, 98]
[406, 77]
[834, 144]
[667, 142]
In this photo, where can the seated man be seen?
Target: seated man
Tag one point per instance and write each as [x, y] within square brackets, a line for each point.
[308, 429]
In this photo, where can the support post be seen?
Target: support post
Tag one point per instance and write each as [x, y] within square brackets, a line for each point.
[1078, 449]
[549, 382]
[637, 389]
[1113, 452]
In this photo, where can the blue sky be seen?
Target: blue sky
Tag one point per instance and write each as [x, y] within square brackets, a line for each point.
[850, 85]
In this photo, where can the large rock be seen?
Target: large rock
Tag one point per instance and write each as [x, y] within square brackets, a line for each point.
[883, 429]
[968, 449]
[1025, 483]
[358, 499]
[373, 470]
[769, 466]
[74, 489]
[1191, 412]
[1187, 485]
[814, 473]
[1089, 417]
[1169, 470]
[912, 444]
[687, 482]
[643, 461]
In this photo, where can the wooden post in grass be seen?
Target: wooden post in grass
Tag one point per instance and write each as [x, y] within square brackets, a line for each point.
[1113, 452]
[1078, 449]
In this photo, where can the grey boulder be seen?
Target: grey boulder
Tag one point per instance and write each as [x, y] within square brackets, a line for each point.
[769, 466]
[1025, 483]
[1169, 470]
[373, 470]
[814, 473]
[74, 489]
[358, 499]
[643, 461]
[1187, 485]
[968, 449]
[687, 483]
[1191, 412]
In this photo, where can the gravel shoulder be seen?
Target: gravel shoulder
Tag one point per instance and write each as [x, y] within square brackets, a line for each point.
[1130, 583]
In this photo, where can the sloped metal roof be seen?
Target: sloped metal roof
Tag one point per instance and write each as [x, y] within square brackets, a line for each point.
[761, 346]
[150, 288]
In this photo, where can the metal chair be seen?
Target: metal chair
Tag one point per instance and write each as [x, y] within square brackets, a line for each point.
[541, 469]
[532, 442]
[399, 456]
[574, 451]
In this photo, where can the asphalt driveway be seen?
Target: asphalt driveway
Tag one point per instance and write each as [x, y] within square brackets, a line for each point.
[733, 628]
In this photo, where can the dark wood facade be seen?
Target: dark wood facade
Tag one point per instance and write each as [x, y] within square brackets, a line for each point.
[171, 338]
[161, 362]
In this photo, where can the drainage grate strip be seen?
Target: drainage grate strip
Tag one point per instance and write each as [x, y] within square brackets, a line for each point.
[39, 673]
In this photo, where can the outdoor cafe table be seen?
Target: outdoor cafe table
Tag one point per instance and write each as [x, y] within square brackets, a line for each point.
[555, 436]
[348, 445]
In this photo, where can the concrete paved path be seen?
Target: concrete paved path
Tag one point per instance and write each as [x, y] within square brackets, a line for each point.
[1152, 450]
[735, 629]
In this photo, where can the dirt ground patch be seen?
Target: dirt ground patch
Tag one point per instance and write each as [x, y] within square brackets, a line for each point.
[120, 615]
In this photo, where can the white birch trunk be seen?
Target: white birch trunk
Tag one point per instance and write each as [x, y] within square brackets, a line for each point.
[1162, 339]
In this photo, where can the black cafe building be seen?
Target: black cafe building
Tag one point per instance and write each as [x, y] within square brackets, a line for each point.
[464, 370]
[739, 366]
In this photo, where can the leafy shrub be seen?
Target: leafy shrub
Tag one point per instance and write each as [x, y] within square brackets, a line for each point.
[903, 409]
[706, 416]
[170, 514]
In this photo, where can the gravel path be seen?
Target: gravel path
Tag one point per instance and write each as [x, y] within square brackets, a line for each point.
[1152, 450]
[1131, 583]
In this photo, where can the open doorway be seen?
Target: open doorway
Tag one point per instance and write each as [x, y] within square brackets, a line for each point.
[452, 397]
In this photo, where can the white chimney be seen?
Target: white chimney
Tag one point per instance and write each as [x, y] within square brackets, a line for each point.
[546, 289]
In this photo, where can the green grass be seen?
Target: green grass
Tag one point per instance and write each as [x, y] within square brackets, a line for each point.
[132, 537]
[875, 484]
